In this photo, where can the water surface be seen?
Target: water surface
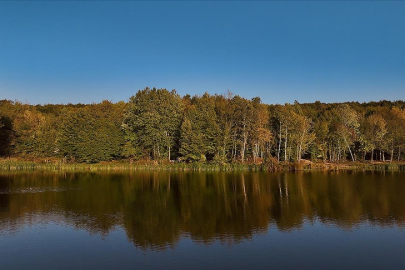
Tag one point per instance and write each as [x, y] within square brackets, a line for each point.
[168, 220]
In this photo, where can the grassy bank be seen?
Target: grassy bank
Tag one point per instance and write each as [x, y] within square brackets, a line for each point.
[375, 166]
[44, 165]
[18, 165]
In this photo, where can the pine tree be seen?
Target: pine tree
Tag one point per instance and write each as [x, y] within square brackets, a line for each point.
[191, 143]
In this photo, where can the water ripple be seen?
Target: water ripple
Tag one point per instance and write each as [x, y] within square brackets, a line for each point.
[35, 190]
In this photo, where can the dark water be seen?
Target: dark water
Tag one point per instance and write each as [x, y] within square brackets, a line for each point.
[325, 220]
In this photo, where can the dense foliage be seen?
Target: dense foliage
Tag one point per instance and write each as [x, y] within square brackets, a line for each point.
[157, 124]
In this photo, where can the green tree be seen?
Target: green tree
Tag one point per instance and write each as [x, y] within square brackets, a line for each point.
[191, 143]
[243, 112]
[6, 135]
[373, 129]
[226, 122]
[36, 134]
[204, 127]
[92, 133]
[152, 122]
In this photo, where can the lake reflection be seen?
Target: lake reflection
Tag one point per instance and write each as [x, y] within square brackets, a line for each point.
[159, 211]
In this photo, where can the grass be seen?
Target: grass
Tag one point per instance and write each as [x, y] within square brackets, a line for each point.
[19, 165]
[58, 165]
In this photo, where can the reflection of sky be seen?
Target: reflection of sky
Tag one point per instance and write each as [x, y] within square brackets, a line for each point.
[314, 245]
[60, 52]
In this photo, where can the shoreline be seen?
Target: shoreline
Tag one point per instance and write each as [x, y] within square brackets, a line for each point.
[7, 165]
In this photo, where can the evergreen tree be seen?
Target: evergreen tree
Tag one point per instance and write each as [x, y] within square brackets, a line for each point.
[92, 134]
[152, 121]
[191, 143]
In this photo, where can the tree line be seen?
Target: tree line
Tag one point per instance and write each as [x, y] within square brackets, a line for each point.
[157, 124]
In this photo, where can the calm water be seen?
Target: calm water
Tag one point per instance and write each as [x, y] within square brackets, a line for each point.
[325, 220]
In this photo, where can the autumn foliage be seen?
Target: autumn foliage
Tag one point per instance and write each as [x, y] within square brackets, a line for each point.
[158, 125]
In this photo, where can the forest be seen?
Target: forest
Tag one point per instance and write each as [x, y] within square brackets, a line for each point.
[158, 125]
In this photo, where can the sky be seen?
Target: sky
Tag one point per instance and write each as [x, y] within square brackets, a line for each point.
[281, 51]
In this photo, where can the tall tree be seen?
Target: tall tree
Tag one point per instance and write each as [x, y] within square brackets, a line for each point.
[204, 126]
[395, 138]
[36, 134]
[226, 122]
[261, 135]
[244, 119]
[191, 143]
[93, 133]
[152, 121]
[347, 125]
[373, 129]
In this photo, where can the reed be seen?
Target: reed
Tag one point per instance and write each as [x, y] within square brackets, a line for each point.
[18, 165]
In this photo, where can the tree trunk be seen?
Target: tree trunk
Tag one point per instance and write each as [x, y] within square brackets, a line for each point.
[338, 154]
[234, 154]
[279, 146]
[285, 145]
[298, 152]
[300, 148]
[233, 150]
[392, 155]
[348, 147]
[254, 154]
[223, 152]
[263, 148]
[242, 154]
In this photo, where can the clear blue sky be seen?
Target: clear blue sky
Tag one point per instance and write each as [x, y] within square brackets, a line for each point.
[84, 52]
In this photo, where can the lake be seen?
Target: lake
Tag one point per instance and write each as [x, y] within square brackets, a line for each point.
[149, 220]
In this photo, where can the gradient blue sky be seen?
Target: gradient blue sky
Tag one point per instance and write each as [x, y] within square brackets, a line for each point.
[281, 51]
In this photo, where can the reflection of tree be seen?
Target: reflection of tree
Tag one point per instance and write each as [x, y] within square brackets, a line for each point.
[157, 209]
[215, 206]
[4, 198]
[84, 200]
[151, 217]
